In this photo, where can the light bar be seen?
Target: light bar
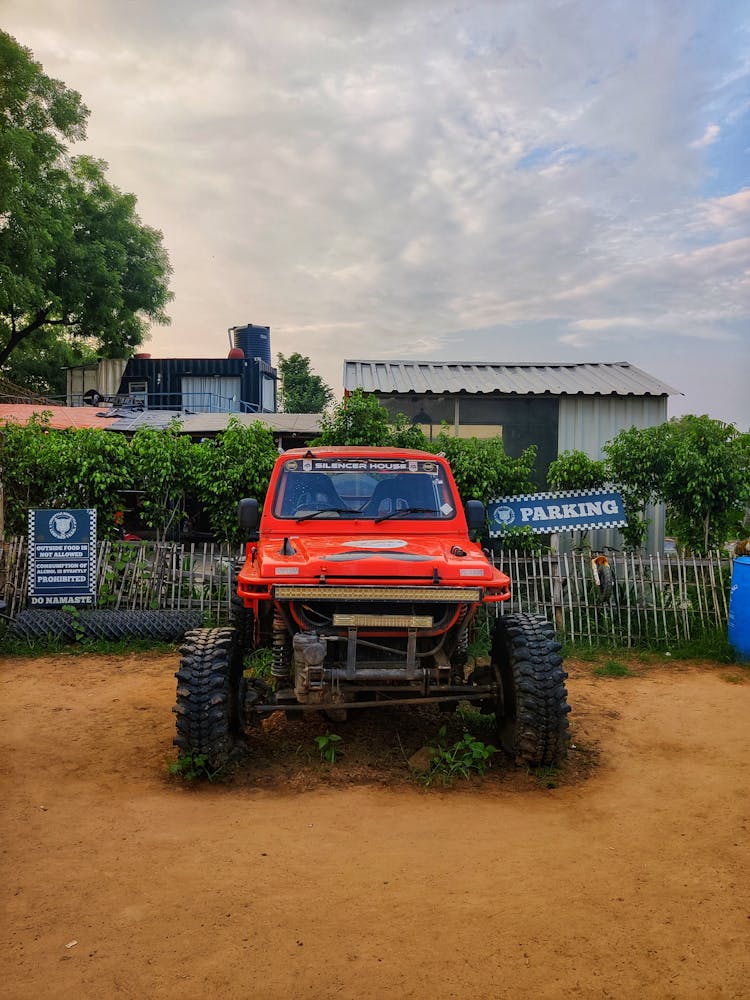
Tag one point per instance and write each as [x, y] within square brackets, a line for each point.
[384, 621]
[325, 592]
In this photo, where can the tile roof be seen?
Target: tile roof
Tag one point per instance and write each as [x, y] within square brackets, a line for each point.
[129, 420]
[618, 378]
[60, 418]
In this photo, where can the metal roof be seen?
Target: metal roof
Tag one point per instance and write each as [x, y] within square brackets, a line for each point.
[280, 423]
[618, 378]
[196, 424]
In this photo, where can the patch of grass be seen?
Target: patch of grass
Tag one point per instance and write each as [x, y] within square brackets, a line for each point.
[612, 668]
[11, 645]
[547, 776]
[589, 654]
[711, 644]
[734, 678]
[708, 646]
[259, 664]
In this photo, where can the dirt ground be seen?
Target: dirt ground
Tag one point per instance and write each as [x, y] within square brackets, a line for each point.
[630, 877]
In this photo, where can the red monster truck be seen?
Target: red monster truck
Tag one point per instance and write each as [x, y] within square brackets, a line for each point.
[364, 581]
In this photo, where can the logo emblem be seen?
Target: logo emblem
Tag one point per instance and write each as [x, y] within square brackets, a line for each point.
[505, 515]
[62, 525]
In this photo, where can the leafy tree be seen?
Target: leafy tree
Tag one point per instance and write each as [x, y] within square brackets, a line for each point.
[39, 363]
[360, 419]
[236, 464]
[707, 481]
[92, 467]
[636, 460]
[43, 467]
[162, 465]
[574, 470]
[301, 391]
[74, 255]
[698, 467]
[30, 469]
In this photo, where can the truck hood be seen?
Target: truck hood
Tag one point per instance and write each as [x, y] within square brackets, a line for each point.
[344, 557]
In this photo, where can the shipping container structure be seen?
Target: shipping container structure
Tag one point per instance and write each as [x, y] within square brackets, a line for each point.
[186, 385]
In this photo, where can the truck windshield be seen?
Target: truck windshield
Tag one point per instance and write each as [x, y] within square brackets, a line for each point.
[375, 489]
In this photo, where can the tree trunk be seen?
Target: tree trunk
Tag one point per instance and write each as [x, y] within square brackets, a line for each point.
[18, 336]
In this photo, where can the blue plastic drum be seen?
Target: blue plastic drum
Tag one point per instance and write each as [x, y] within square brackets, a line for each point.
[739, 608]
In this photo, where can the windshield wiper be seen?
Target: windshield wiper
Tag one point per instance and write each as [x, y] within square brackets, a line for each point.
[326, 510]
[405, 510]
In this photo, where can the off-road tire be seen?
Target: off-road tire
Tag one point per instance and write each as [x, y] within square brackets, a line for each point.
[532, 706]
[208, 695]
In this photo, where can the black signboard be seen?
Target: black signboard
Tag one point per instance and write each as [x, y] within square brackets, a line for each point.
[62, 557]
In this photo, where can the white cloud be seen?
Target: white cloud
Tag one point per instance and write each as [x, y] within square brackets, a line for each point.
[708, 138]
[413, 176]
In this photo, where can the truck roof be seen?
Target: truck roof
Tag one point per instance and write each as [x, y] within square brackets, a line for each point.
[337, 449]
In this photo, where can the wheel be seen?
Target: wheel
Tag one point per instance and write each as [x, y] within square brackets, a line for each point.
[532, 707]
[208, 695]
[606, 579]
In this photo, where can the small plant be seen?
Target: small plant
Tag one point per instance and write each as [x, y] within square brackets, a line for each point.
[466, 757]
[327, 747]
[612, 668]
[192, 766]
[75, 622]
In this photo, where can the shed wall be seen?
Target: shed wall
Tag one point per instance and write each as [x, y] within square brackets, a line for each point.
[587, 423]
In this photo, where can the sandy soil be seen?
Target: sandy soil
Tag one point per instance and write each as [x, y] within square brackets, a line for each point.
[631, 878]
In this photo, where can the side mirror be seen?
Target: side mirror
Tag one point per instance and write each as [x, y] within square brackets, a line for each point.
[476, 515]
[248, 515]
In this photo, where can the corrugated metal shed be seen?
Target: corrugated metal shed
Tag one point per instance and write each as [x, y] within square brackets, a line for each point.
[524, 378]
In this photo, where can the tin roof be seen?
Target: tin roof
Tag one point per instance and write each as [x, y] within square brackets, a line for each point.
[618, 378]
[197, 424]
[282, 423]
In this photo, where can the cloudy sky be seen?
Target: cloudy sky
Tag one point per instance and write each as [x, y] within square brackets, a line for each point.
[475, 180]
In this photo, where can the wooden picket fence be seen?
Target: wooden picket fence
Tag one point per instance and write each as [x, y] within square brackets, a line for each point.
[655, 599]
[141, 576]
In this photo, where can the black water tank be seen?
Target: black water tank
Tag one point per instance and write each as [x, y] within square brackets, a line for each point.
[255, 341]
